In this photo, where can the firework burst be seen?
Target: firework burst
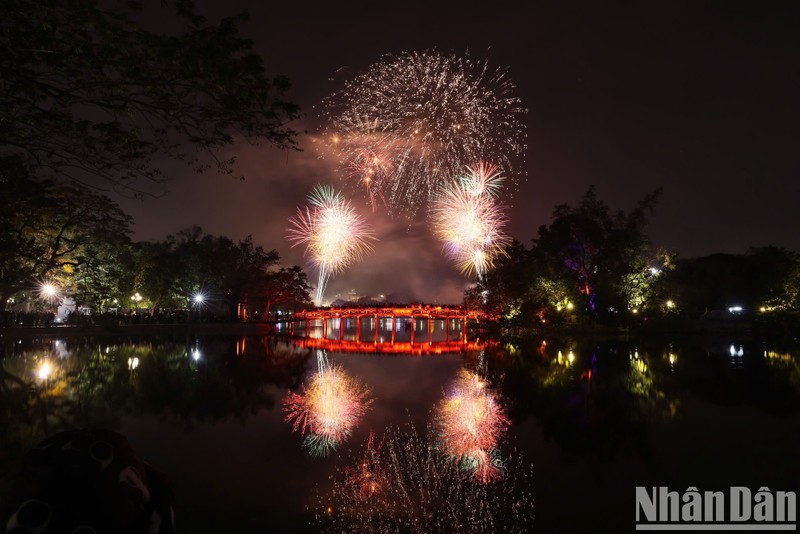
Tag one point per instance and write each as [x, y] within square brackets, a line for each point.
[468, 219]
[334, 234]
[470, 423]
[326, 411]
[428, 114]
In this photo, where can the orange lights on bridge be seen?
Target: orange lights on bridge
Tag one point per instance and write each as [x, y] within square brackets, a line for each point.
[332, 329]
[388, 347]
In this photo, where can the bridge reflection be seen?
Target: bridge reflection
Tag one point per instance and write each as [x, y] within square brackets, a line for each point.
[389, 330]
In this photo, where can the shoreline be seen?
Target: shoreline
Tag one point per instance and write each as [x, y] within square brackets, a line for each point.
[254, 328]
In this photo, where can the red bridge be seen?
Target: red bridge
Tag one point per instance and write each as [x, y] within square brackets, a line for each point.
[418, 320]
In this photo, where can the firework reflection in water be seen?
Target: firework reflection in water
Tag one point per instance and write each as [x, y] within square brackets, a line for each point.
[328, 408]
[469, 424]
[405, 484]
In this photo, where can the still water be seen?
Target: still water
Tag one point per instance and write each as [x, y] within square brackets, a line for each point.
[587, 420]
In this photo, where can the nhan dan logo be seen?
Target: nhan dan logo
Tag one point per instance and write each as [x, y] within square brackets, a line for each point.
[739, 508]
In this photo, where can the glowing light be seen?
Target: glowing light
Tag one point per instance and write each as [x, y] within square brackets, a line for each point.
[136, 297]
[425, 115]
[467, 217]
[735, 309]
[571, 357]
[570, 306]
[133, 363]
[45, 370]
[655, 271]
[48, 291]
[672, 358]
[199, 298]
[470, 423]
[334, 234]
[196, 354]
[326, 411]
[670, 304]
[634, 311]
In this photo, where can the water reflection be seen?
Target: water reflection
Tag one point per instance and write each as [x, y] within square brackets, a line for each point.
[49, 386]
[402, 483]
[604, 396]
[469, 424]
[327, 409]
[590, 399]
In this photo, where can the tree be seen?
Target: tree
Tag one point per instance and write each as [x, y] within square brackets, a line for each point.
[50, 230]
[288, 289]
[102, 278]
[504, 289]
[87, 93]
[606, 258]
[764, 277]
[249, 273]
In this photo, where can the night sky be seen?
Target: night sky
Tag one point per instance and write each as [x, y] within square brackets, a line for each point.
[700, 98]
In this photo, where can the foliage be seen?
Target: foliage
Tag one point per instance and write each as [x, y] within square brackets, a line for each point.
[588, 263]
[764, 277]
[53, 230]
[605, 256]
[287, 290]
[227, 273]
[88, 93]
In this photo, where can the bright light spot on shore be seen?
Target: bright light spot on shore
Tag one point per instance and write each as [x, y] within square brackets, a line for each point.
[196, 354]
[634, 311]
[199, 298]
[45, 370]
[571, 357]
[735, 309]
[670, 304]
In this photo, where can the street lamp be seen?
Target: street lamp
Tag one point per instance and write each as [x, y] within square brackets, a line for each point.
[48, 291]
[197, 302]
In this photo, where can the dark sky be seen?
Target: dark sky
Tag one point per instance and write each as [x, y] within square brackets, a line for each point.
[700, 98]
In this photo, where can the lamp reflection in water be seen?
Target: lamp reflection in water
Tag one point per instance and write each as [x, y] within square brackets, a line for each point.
[470, 422]
[328, 408]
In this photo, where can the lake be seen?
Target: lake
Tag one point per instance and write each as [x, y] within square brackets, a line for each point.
[583, 421]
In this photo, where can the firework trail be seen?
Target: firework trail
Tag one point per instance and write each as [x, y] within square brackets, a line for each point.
[468, 219]
[424, 115]
[334, 234]
[470, 423]
[328, 408]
